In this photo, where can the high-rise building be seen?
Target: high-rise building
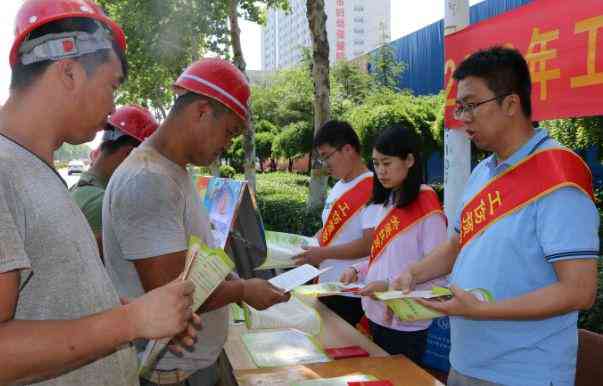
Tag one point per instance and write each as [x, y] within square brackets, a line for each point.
[354, 27]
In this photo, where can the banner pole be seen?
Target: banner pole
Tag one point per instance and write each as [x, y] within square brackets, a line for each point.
[457, 147]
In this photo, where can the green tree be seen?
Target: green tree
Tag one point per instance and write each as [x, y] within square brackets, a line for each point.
[253, 14]
[235, 155]
[317, 20]
[349, 82]
[293, 142]
[263, 147]
[265, 126]
[165, 36]
[385, 69]
[386, 108]
[68, 152]
[287, 98]
[577, 133]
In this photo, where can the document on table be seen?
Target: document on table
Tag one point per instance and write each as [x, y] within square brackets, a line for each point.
[206, 267]
[338, 381]
[282, 348]
[296, 277]
[292, 314]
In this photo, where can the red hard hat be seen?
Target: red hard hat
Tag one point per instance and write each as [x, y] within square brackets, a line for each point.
[35, 13]
[134, 121]
[220, 80]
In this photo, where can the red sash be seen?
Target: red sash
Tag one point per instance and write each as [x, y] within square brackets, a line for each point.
[399, 220]
[344, 209]
[539, 174]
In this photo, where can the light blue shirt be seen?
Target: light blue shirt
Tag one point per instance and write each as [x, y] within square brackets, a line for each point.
[511, 258]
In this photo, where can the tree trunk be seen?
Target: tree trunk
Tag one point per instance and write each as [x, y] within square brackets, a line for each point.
[214, 168]
[161, 110]
[239, 61]
[317, 19]
[290, 168]
[309, 170]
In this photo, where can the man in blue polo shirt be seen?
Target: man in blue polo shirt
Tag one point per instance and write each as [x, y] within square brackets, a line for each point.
[537, 256]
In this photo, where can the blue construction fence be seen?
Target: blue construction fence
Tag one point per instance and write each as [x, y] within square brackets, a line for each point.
[424, 50]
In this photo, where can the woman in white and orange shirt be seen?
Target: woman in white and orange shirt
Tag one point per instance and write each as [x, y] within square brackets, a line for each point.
[408, 224]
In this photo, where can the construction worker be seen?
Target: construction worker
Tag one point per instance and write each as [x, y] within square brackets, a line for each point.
[126, 128]
[61, 321]
[151, 209]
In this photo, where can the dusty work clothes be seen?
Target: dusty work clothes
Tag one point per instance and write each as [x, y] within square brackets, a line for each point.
[44, 234]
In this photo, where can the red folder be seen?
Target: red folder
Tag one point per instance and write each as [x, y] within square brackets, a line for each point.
[346, 352]
[372, 383]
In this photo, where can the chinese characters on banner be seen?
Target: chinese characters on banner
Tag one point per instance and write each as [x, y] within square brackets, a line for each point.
[562, 42]
[340, 29]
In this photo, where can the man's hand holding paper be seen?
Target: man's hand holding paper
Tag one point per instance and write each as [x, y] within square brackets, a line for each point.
[312, 255]
[260, 294]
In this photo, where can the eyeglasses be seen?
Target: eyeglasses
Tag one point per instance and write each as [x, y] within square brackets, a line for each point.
[461, 109]
[325, 159]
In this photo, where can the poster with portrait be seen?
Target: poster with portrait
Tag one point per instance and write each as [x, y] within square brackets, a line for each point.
[222, 199]
[235, 221]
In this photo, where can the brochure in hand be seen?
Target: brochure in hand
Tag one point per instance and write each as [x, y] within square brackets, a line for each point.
[406, 308]
[283, 247]
[296, 277]
[328, 289]
[206, 267]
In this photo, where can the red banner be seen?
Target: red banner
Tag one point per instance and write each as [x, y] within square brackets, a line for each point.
[562, 42]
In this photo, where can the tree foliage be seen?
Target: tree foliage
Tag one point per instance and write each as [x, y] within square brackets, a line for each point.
[68, 152]
[355, 96]
[165, 36]
[264, 137]
[386, 108]
[263, 145]
[294, 141]
[287, 98]
[577, 133]
[385, 69]
[349, 87]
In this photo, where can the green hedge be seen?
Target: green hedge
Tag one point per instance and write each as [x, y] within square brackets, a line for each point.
[281, 199]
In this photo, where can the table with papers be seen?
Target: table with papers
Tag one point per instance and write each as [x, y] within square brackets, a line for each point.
[238, 368]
